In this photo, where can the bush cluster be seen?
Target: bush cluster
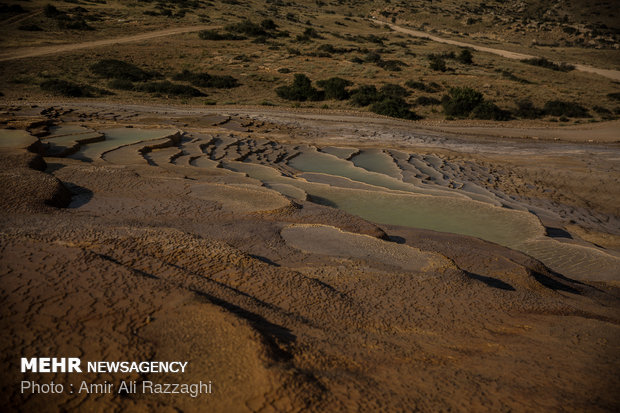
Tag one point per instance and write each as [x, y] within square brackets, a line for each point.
[562, 108]
[388, 101]
[168, 88]
[335, 88]
[394, 107]
[215, 35]
[466, 102]
[117, 69]
[206, 80]
[544, 62]
[423, 87]
[71, 89]
[64, 20]
[300, 90]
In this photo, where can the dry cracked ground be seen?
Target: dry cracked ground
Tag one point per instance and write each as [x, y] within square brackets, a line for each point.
[308, 262]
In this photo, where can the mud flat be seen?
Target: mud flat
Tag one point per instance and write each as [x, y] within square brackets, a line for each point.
[300, 268]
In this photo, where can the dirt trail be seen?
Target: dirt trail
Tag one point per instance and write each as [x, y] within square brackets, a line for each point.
[611, 74]
[602, 132]
[22, 53]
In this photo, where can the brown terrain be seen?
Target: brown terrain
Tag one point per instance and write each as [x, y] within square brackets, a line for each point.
[286, 304]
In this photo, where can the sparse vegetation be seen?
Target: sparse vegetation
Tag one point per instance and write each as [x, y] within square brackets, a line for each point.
[465, 57]
[427, 101]
[568, 109]
[437, 63]
[71, 89]
[544, 62]
[510, 76]
[117, 69]
[432, 87]
[66, 21]
[206, 80]
[215, 35]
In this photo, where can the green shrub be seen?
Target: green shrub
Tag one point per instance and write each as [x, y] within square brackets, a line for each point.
[365, 95]
[248, 28]
[300, 90]
[168, 88]
[568, 109]
[206, 80]
[395, 91]
[510, 76]
[268, 24]
[51, 11]
[312, 33]
[544, 62]
[421, 86]
[614, 96]
[74, 24]
[372, 57]
[335, 88]
[427, 101]
[215, 35]
[437, 63]
[527, 110]
[328, 48]
[392, 65]
[460, 101]
[64, 21]
[394, 107]
[601, 110]
[122, 84]
[117, 69]
[490, 111]
[465, 57]
[70, 89]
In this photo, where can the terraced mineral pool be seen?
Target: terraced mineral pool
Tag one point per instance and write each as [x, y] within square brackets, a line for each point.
[313, 161]
[118, 137]
[375, 160]
[515, 229]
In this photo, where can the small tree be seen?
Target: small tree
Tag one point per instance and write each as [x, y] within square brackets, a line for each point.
[335, 88]
[365, 95]
[394, 107]
[465, 57]
[460, 101]
[301, 90]
[437, 63]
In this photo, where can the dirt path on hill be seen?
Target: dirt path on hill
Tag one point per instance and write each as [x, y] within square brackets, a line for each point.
[21, 53]
[611, 74]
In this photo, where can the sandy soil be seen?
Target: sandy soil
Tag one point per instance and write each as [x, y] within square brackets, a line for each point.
[179, 257]
[22, 53]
